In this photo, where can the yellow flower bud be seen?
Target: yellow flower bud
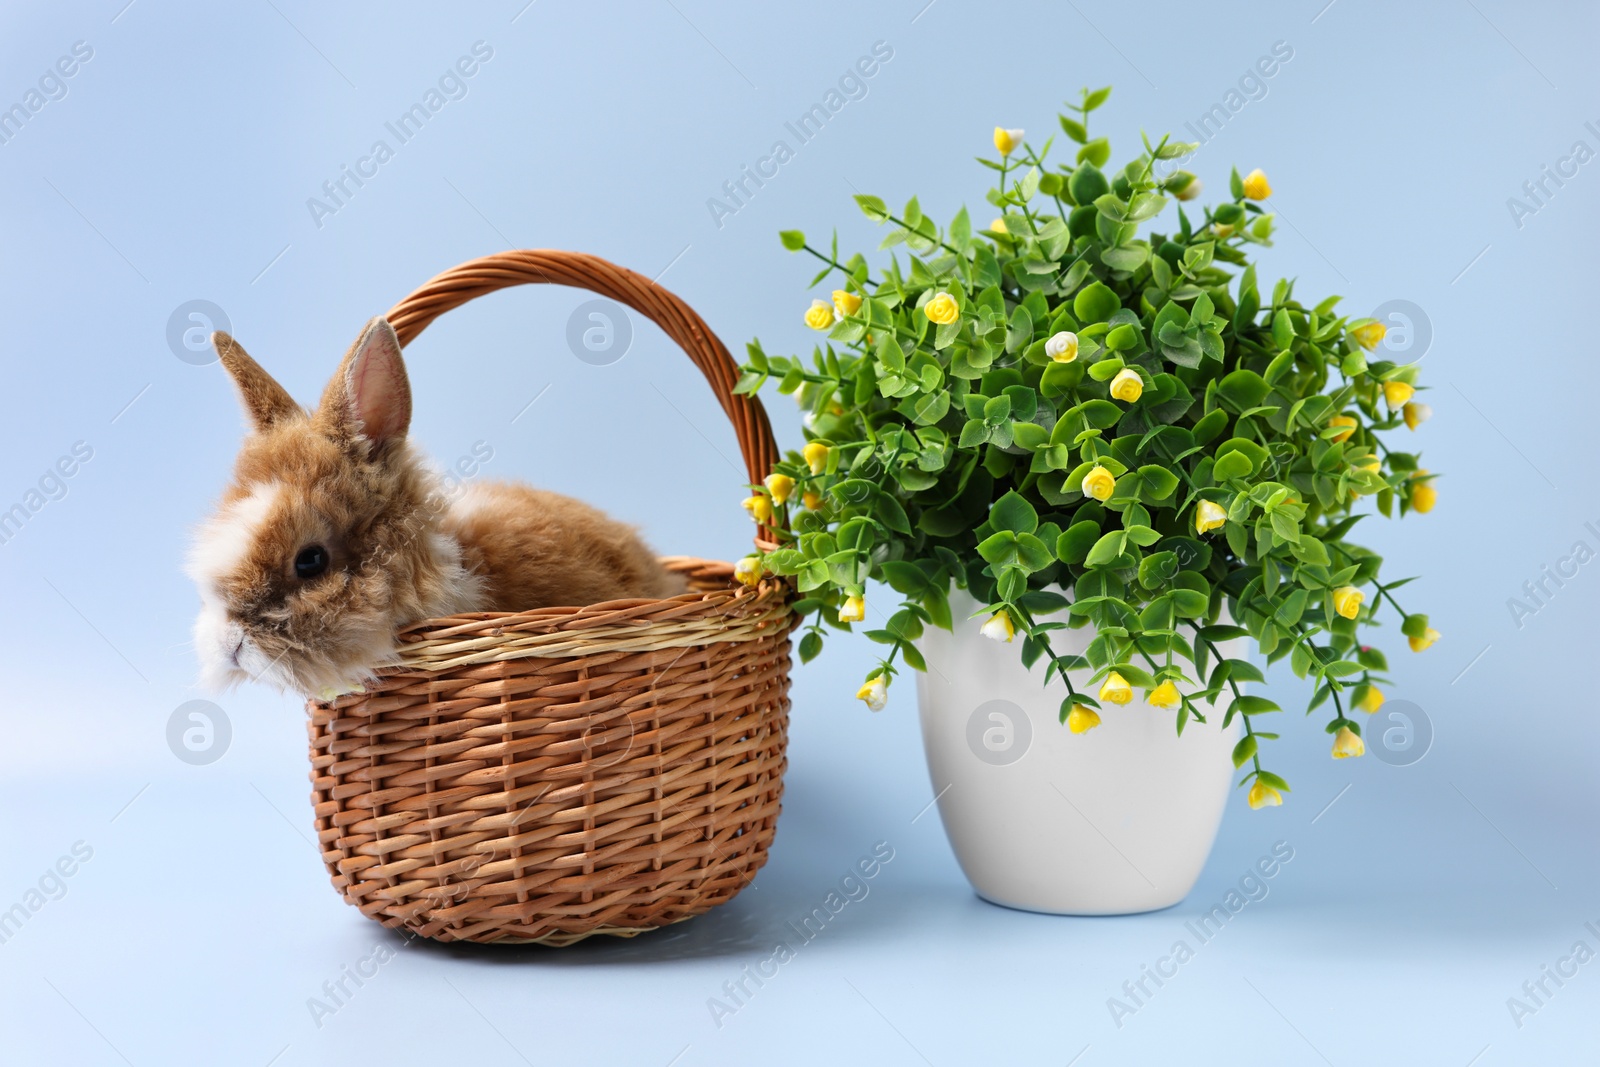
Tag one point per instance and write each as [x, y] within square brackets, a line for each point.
[1256, 186]
[759, 506]
[1062, 347]
[845, 302]
[1342, 420]
[748, 570]
[1395, 394]
[1347, 601]
[816, 456]
[1080, 720]
[1425, 642]
[1164, 695]
[942, 309]
[1099, 483]
[854, 609]
[999, 627]
[998, 226]
[1370, 335]
[1415, 414]
[819, 316]
[875, 693]
[1116, 689]
[812, 500]
[1263, 795]
[1127, 385]
[1423, 494]
[1371, 700]
[1222, 230]
[1347, 743]
[1005, 141]
[780, 486]
[1209, 516]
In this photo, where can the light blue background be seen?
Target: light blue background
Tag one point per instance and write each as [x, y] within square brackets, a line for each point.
[178, 167]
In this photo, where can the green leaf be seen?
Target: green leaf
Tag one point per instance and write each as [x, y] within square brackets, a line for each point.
[999, 548]
[1029, 435]
[1282, 329]
[1074, 129]
[1128, 258]
[794, 241]
[1122, 337]
[1158, 482]
[1244, 750]
[892, 514]
[810, 646]
[1101, 414]
[961, 229]
[1095, 303]
[1029, 184]
[904, 577]
[1013, 512]
[873, 208]
[1252, 451]
[1292, 607]
[1013, 583]
[1281, 364]
[1210, 426]
[1087, 184]
[1032, 553]
[1135, 675]
[1233, 465]
[1095, 152]
[1076, 540]
[1108, 549]
[1158, 614]
[1244, 389]
[1414, 626]
[1189, 604]
[1242, 670]
[1139, 534]
[1156, 570]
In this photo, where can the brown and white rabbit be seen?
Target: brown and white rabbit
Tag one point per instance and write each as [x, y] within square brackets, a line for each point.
[335, 534]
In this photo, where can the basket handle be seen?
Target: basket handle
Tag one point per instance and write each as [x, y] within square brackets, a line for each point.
[533, 266]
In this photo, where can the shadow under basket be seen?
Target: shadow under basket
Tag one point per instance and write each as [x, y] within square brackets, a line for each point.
[548, 775]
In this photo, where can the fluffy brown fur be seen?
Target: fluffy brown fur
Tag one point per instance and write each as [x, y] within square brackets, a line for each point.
[344, 479]
[501, 524]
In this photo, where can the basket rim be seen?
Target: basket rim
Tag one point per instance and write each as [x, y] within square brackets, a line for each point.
[734, 612]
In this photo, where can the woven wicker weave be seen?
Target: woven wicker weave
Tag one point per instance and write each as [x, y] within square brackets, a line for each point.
[548, 775]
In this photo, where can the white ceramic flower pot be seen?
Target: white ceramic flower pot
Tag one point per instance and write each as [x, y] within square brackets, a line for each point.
[1113, 821]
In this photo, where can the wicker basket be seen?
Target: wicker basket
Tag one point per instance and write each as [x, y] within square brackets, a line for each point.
[547, 775]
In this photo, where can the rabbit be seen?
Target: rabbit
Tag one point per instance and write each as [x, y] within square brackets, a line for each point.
[336, 533]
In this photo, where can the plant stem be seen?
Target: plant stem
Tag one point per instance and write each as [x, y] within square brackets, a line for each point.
[1249, 730]
[836, 265]
[1034, 634]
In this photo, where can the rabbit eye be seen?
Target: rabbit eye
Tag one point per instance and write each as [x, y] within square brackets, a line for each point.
[310, 562]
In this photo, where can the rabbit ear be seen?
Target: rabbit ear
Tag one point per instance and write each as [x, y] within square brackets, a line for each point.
[265, 401]
[370, 395]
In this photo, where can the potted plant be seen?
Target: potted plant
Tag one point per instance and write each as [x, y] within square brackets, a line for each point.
[1116, 452]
